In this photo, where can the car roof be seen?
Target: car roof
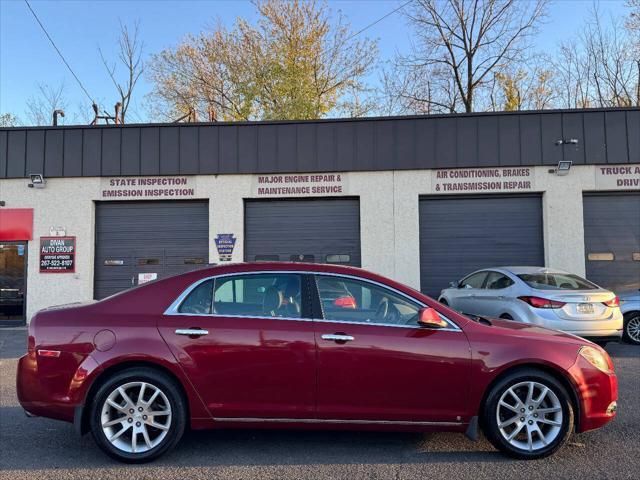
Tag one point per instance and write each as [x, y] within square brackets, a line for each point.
[517, 270]
[270, 266]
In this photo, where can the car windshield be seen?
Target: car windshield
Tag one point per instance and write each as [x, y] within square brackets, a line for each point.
[556, 281]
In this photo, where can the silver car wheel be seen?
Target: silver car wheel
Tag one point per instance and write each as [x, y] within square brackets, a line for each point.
[633, 328]
[529, 416]
[136, 417]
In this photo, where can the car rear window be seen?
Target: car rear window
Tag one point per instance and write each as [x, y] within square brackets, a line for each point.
[556, 281]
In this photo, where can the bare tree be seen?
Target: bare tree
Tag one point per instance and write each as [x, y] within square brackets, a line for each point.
[41, 106]
[130, 51]
[460, 44]
[600, 67]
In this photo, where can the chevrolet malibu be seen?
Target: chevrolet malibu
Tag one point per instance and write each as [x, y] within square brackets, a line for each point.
[305, 346]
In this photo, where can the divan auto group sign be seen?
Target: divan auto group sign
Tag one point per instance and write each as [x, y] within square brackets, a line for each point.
[57, 254]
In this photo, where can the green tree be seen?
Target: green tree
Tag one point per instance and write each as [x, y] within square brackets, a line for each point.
[9, 120]
[298, 61]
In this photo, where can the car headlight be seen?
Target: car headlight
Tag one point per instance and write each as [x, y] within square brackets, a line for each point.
[596, 358]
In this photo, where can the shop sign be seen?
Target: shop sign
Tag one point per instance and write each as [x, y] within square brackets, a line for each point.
[146, 277]
[121, 188]
[300, 185]
[618, 177]
[225, 242]
[477, 180]
[57, 254]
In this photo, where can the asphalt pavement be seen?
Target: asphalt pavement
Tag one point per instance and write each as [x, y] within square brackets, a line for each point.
[39, 448]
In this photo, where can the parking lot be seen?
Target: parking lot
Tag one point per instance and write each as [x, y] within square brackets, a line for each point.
[41, 448]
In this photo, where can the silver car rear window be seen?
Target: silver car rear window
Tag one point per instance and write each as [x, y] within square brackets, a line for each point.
[556, 281]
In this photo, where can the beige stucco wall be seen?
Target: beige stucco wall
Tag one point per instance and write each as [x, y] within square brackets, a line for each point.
[388, 221]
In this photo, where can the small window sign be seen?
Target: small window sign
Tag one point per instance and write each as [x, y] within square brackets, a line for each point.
[601, 257]
[636, 256]
[146, 277]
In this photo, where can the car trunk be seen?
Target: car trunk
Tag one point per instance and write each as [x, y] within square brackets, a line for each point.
[581, 305]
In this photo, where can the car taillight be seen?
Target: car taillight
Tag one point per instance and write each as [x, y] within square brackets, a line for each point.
[539, 302]
[49, 353]
[614, 302]
[345, 302]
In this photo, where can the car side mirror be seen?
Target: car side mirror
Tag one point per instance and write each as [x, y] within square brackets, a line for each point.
[454, 284]
[429, 318]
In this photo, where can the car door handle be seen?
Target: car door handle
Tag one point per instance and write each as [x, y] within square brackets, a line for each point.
[192, 332]
[337, 337]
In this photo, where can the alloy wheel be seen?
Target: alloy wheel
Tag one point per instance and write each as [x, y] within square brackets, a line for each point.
[136, 417]
[633, 328]
[529, 416]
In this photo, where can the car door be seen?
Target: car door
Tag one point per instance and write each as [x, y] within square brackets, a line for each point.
[246, 342]
[468, 290]
[376, 364]
[493, 299]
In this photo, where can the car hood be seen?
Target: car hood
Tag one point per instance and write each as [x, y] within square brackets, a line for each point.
[525, 330]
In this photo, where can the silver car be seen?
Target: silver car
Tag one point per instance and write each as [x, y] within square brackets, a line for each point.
[630, 307]
[541, 296]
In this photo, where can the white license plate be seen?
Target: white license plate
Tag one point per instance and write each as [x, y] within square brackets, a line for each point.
[585, 308]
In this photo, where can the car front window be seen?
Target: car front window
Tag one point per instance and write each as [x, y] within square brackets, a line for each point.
[474, 280]
[556, 281]
[345, 299]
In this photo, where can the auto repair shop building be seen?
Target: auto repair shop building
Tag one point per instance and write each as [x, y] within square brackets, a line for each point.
[422, 199]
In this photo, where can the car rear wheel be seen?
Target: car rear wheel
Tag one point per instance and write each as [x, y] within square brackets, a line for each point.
[528, 415]
[631, 332]
[137, 415]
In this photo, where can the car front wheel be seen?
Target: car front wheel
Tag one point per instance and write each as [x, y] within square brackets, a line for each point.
[632, 328]
[528, 415]
[137, 415]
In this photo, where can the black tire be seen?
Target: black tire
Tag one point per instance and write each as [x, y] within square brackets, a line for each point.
[635, 316]
[171, 391]
[490, 415]
[444, 302]
[506, 316]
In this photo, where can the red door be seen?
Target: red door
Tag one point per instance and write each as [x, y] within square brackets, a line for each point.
[251, 355]
[376, 363]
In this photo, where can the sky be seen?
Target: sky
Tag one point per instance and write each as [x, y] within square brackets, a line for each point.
[79, 26]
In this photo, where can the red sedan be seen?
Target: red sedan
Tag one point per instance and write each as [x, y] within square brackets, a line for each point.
[305, 346]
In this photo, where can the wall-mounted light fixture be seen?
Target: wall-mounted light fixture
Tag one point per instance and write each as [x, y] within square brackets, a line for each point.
[570, 141]
[37, 180]
[563, 167]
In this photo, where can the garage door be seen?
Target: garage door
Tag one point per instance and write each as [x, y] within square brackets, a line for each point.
[612, 239]
[137, 238]
[461, 234]
[311, 230]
